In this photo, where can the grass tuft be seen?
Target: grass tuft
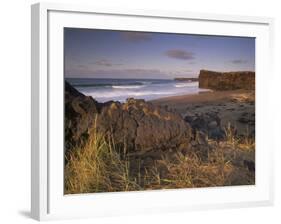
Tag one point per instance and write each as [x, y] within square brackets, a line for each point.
[101, 167]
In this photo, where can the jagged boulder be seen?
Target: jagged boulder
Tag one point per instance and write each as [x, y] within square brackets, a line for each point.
[134, 126]
[142, 126]
[80, 111]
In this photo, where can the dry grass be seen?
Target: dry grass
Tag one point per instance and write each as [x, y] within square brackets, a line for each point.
[187, 172]
[99, 167]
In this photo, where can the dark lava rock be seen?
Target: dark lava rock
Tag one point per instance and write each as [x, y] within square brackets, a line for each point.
[142, 126]
[209, 124]
[247, 118]
[79, 117]
[148, 162]
[250, 165]
[135, 125]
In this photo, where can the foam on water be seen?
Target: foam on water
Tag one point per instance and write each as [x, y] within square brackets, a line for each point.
[127, 87]
[120, 89]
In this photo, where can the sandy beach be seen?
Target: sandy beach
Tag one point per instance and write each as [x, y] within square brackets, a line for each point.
[235, 106]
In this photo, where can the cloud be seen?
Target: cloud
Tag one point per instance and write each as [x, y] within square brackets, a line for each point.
[136, 36]
[180, 54]
[106, 63]
[238, 61]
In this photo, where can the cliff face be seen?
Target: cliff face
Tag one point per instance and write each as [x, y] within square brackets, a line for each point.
[226, 80]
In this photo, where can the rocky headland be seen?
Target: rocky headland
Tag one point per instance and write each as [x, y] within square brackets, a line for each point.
[227, 80]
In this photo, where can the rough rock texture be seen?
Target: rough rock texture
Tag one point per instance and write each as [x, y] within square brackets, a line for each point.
[208, 123]
[141, 126]
[79, 116]
[226, 80]
[135, 125]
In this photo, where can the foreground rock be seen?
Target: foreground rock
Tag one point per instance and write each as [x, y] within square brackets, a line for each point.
[226, 80]
[141, 126]
[133, 126]
[209, 123]
[79, 117]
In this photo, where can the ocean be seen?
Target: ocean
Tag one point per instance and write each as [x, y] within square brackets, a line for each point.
[104, 90]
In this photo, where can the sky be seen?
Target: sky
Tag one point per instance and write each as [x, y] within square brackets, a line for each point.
[94, 53]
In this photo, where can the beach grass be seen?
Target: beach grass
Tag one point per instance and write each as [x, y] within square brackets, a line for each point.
[100, 167]
[97, 167]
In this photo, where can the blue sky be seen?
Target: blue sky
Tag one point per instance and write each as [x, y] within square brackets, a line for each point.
[92, 53]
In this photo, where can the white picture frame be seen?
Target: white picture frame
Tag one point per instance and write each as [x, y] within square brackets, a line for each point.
[47, 198]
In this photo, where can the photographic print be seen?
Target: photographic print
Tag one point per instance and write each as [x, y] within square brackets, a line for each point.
[152, 111]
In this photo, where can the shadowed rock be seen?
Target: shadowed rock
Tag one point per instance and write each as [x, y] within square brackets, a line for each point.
[134, 126]
[141, 126]
[209, 124]
[79, 116]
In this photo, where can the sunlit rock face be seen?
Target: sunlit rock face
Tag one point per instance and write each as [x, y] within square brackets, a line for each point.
[227, 80]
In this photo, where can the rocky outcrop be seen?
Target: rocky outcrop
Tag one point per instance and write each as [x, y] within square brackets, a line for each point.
[141, 126]
[226, 80]
[135, 125]
[79, 116]
[208, 123]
